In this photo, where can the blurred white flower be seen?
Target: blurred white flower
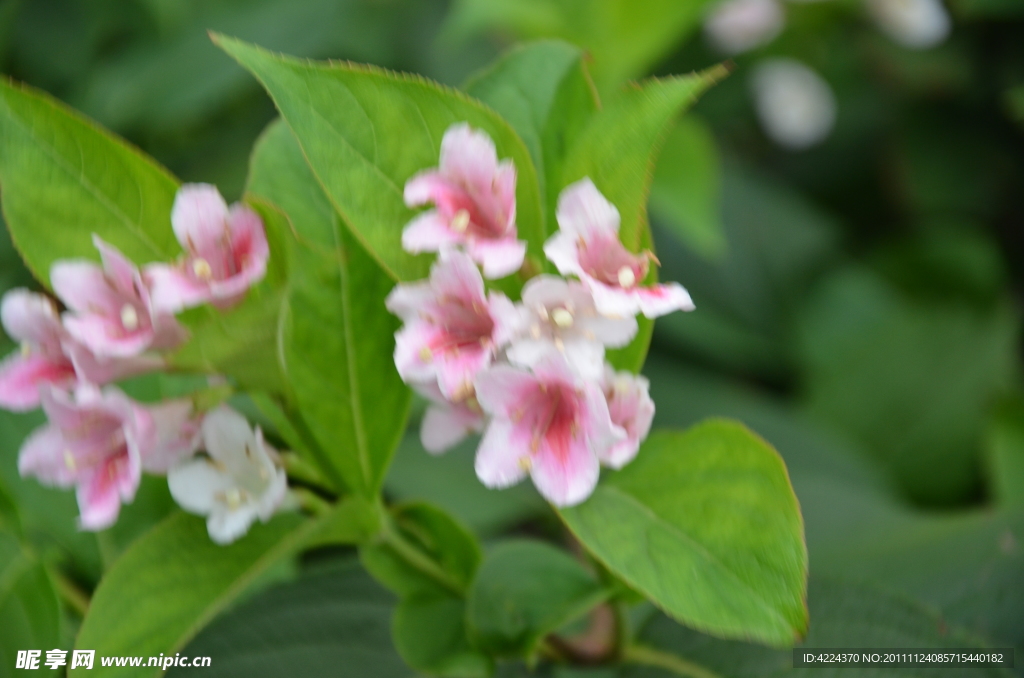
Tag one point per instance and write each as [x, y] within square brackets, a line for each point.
[736, 26]
[917, 24]
[795, 105]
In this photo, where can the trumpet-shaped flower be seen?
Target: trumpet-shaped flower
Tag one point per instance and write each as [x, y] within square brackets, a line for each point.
[109, 308]
[452, 329]
[587, 245]
[474, 198]
[226, 252]
[548, 423]
[631, 409]
[96, 441]
[562, 318]
[239, 482]
[32, 319]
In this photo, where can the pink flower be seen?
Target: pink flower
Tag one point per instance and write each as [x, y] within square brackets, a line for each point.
[32, 319]
[98, 441]
[549, 423]
[109, 308]
[631, 409]
[562, 318]
[445, 423]
[452, 330]
[226, 252]
[587, 245]
[475, 200]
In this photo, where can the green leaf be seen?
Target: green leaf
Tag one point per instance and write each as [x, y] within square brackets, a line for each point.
[845, 615]
[336, 345]
[1005, 445]
[438, 537]
[706, 525]
[525, 590]
[429, 631]
[449, 482]
[366, 131]
[687, 191]
[626, 38]
[29, 609]
[174, 580]
[545, 93]
[429, 560]
[64, 179]
[334, 620]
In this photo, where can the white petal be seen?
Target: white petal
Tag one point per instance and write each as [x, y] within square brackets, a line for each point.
[582, 209]
[561, 250]
[444, 427]
[195, 484]
[498, 463]
[227, 435]
[227, 526]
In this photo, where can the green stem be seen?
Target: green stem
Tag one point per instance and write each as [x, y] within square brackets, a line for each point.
[299, 469]
[76, 598]
[419, 560]
[649, 656]
[311, 502]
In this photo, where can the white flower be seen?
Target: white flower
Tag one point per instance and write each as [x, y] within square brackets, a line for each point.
[562, 318]
[796, 107]
[736, 26]
[237, 484]
[917, 24]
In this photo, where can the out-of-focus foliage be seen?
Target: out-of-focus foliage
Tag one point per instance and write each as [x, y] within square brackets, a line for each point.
[858, 305]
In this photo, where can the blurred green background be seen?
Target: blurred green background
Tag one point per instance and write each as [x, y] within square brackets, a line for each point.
[858, 303]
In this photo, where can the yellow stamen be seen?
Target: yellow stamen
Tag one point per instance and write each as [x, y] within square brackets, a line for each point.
[202, 269]
[626, 277]
[426, 355]
[69, 461]
[525, 463]
[233, 498]
[129, 318]
[562, 317]
[460, 222]
[26, 349]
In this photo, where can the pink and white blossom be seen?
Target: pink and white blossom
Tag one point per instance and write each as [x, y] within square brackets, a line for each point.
[109, 307]
[241, 480]
[561, 318]
[453, 329]
[226, 252]
[474, 198]
[93, 440]
[631, 409]
[32, 319]
[587, 245]
[445, 423]
[548, 423]
[735, 26]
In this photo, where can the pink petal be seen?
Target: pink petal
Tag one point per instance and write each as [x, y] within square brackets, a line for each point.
[561, 250]
[455, 275]
[173, 291]
[99, 500]
[413, 363]
[468, 156]
[31, 317]
[116, 266]
[567, 476]
[501, 461]
[660, 300]
[176, 436]
[104, 370]
[105, 337]
[42, 456]
[84, 288]
[21, 376]
[199, 218]
[498, 257]
[408, 300]
[456, 371]
[502, 388]
[509, 319]
[428, 187]
[444, 427]
[582, 209]
[613, 301]
[429, 232]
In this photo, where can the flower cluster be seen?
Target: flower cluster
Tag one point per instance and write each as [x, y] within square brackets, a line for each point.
[531, 376]
[119, 322]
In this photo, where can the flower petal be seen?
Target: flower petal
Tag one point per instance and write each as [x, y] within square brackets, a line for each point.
[429, 232]
[582, 209]
[199, 218]
[501, 388]
[500, 462]
[561, 250]
[468, 156]
[31, 317]
[99, 502]
[21, 376]
[226, 436]
[173, 291]
[660, 300]
[444, 427]
[498, 258]
[195, 485]
[84, 287]
[567, 476]
[226, 526]
[42, 456]
[105, 338]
